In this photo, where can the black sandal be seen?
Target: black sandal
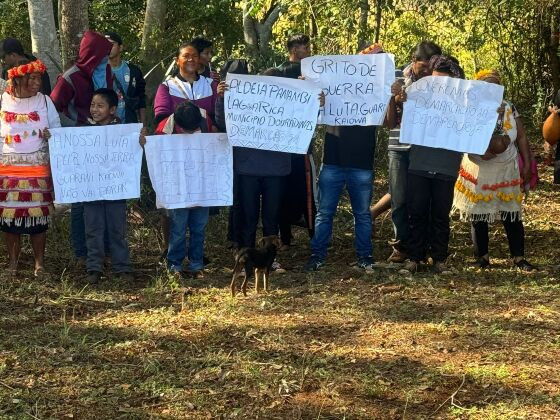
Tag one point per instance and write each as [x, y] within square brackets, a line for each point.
[482, 263]
[525, 266]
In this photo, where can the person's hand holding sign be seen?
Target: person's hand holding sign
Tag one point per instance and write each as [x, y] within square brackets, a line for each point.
[322, 99]
[398, 91]
[501, 109]
[222, 87]
[142, 139]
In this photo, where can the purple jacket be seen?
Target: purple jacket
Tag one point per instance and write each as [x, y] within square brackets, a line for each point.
[172, 92]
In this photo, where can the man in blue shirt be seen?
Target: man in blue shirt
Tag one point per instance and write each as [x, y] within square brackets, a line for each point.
[128, 83]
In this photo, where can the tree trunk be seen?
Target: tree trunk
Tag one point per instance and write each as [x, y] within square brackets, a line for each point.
[250, 31]
[154, 27]
[379, 10]
[313, 29]
[73, 23]
[153, 33]
[363, 25]
[554, 50]
[44, 40]
[257, 34]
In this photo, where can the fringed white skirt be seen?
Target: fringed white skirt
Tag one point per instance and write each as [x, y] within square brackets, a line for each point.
[488, 191]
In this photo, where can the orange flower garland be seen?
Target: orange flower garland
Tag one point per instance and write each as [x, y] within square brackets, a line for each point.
[36, 66]
[11, 117]
[474, 197]
[485, 74]
[507, 123]
[9, 139]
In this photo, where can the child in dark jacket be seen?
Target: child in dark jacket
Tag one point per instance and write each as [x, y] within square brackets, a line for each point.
[106, 217]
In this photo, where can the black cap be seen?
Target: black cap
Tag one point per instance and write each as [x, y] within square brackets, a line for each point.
[11, 45]
[114, 37]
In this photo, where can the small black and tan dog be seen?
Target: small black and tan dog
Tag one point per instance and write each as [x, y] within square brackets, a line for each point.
[259, 259]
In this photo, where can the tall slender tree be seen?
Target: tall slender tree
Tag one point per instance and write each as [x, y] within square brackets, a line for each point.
[154, 24]
[73, 23]
[363, 24]
[44, 39]
[152, 36]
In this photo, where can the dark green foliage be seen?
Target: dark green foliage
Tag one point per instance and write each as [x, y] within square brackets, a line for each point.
[517, 37]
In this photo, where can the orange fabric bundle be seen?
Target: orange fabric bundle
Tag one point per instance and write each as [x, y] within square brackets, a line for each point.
[551, 129]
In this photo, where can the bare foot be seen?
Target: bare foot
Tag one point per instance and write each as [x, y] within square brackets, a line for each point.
[39, 272]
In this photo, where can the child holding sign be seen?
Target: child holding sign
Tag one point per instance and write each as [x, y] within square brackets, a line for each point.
[187, 119]
[106, 216]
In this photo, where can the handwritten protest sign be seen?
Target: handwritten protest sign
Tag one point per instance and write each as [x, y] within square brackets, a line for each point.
[271, 113]
[451, 113]
[96, 163]
[357, 87]
[190, 170]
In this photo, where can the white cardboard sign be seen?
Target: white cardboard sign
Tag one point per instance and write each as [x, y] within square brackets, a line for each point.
[190, 170]
[95, 163]
[271, 113]
[357, 87]
[450, 113]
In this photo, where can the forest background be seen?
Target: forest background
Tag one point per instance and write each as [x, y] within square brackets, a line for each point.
[520, 38]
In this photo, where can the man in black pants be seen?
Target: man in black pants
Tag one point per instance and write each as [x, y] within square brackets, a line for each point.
[260, 177]
[298, 204]
[432, 173]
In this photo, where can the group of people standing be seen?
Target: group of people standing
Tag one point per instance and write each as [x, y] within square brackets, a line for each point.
[425, 184]
[98, 89]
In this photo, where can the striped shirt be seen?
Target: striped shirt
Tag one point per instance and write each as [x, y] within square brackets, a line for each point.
[394, 143]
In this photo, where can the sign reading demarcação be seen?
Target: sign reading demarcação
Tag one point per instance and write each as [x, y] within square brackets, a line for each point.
[271, 113]
[450, 113]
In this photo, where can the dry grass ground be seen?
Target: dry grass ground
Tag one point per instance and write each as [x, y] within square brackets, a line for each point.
[336, 344]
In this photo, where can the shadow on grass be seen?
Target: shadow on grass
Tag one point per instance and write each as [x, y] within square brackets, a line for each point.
[249, 369]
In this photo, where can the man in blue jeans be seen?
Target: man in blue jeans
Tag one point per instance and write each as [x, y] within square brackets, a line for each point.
[347, 161]
[358, 182]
